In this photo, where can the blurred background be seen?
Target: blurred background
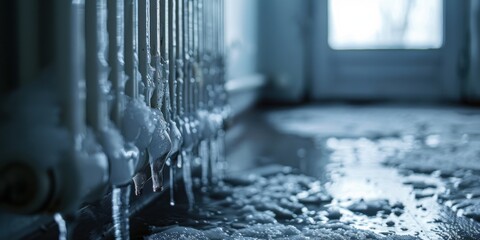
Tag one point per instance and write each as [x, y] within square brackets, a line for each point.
[361, 51]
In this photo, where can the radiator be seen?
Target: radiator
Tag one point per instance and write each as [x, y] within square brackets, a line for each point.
[104, 92]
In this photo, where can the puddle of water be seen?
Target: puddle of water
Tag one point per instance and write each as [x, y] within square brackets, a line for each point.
[363, 176]
[351, 171]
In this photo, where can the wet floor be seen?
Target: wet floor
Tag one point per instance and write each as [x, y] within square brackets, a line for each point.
[324, 172]
[346, 157]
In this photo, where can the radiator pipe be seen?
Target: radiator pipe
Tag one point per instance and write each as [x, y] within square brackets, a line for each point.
[175, 133]
[84, 172]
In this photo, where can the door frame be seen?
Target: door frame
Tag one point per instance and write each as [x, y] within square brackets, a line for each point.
[412, 74]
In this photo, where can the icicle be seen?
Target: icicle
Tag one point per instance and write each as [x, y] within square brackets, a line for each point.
[139, 181]
[171, 167]
[221, 161]
[62, 227]
[204, 159]
[179, 161]
[187, 179]
[213, 161]
[65, 224]
[176, 138]
[120, 212]
[157, 177]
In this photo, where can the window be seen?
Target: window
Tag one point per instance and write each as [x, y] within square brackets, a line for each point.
[385, 24]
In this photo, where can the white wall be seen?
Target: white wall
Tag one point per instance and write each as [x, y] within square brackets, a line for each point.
[265, 36]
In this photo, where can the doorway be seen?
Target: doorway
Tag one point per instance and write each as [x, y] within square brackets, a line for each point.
[388, 50]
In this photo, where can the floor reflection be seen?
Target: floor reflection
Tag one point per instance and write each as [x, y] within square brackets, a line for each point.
[351, 149]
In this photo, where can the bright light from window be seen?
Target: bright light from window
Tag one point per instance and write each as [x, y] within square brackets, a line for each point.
[385, 24]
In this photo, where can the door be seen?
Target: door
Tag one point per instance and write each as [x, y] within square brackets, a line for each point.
[388, 49]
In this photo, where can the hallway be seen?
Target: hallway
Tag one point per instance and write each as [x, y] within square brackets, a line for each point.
[252, 119]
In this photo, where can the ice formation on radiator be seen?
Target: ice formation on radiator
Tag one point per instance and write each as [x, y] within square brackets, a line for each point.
[142, 115]
[138, 127]
[123, 156]
[162, 145]
[158, 151]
